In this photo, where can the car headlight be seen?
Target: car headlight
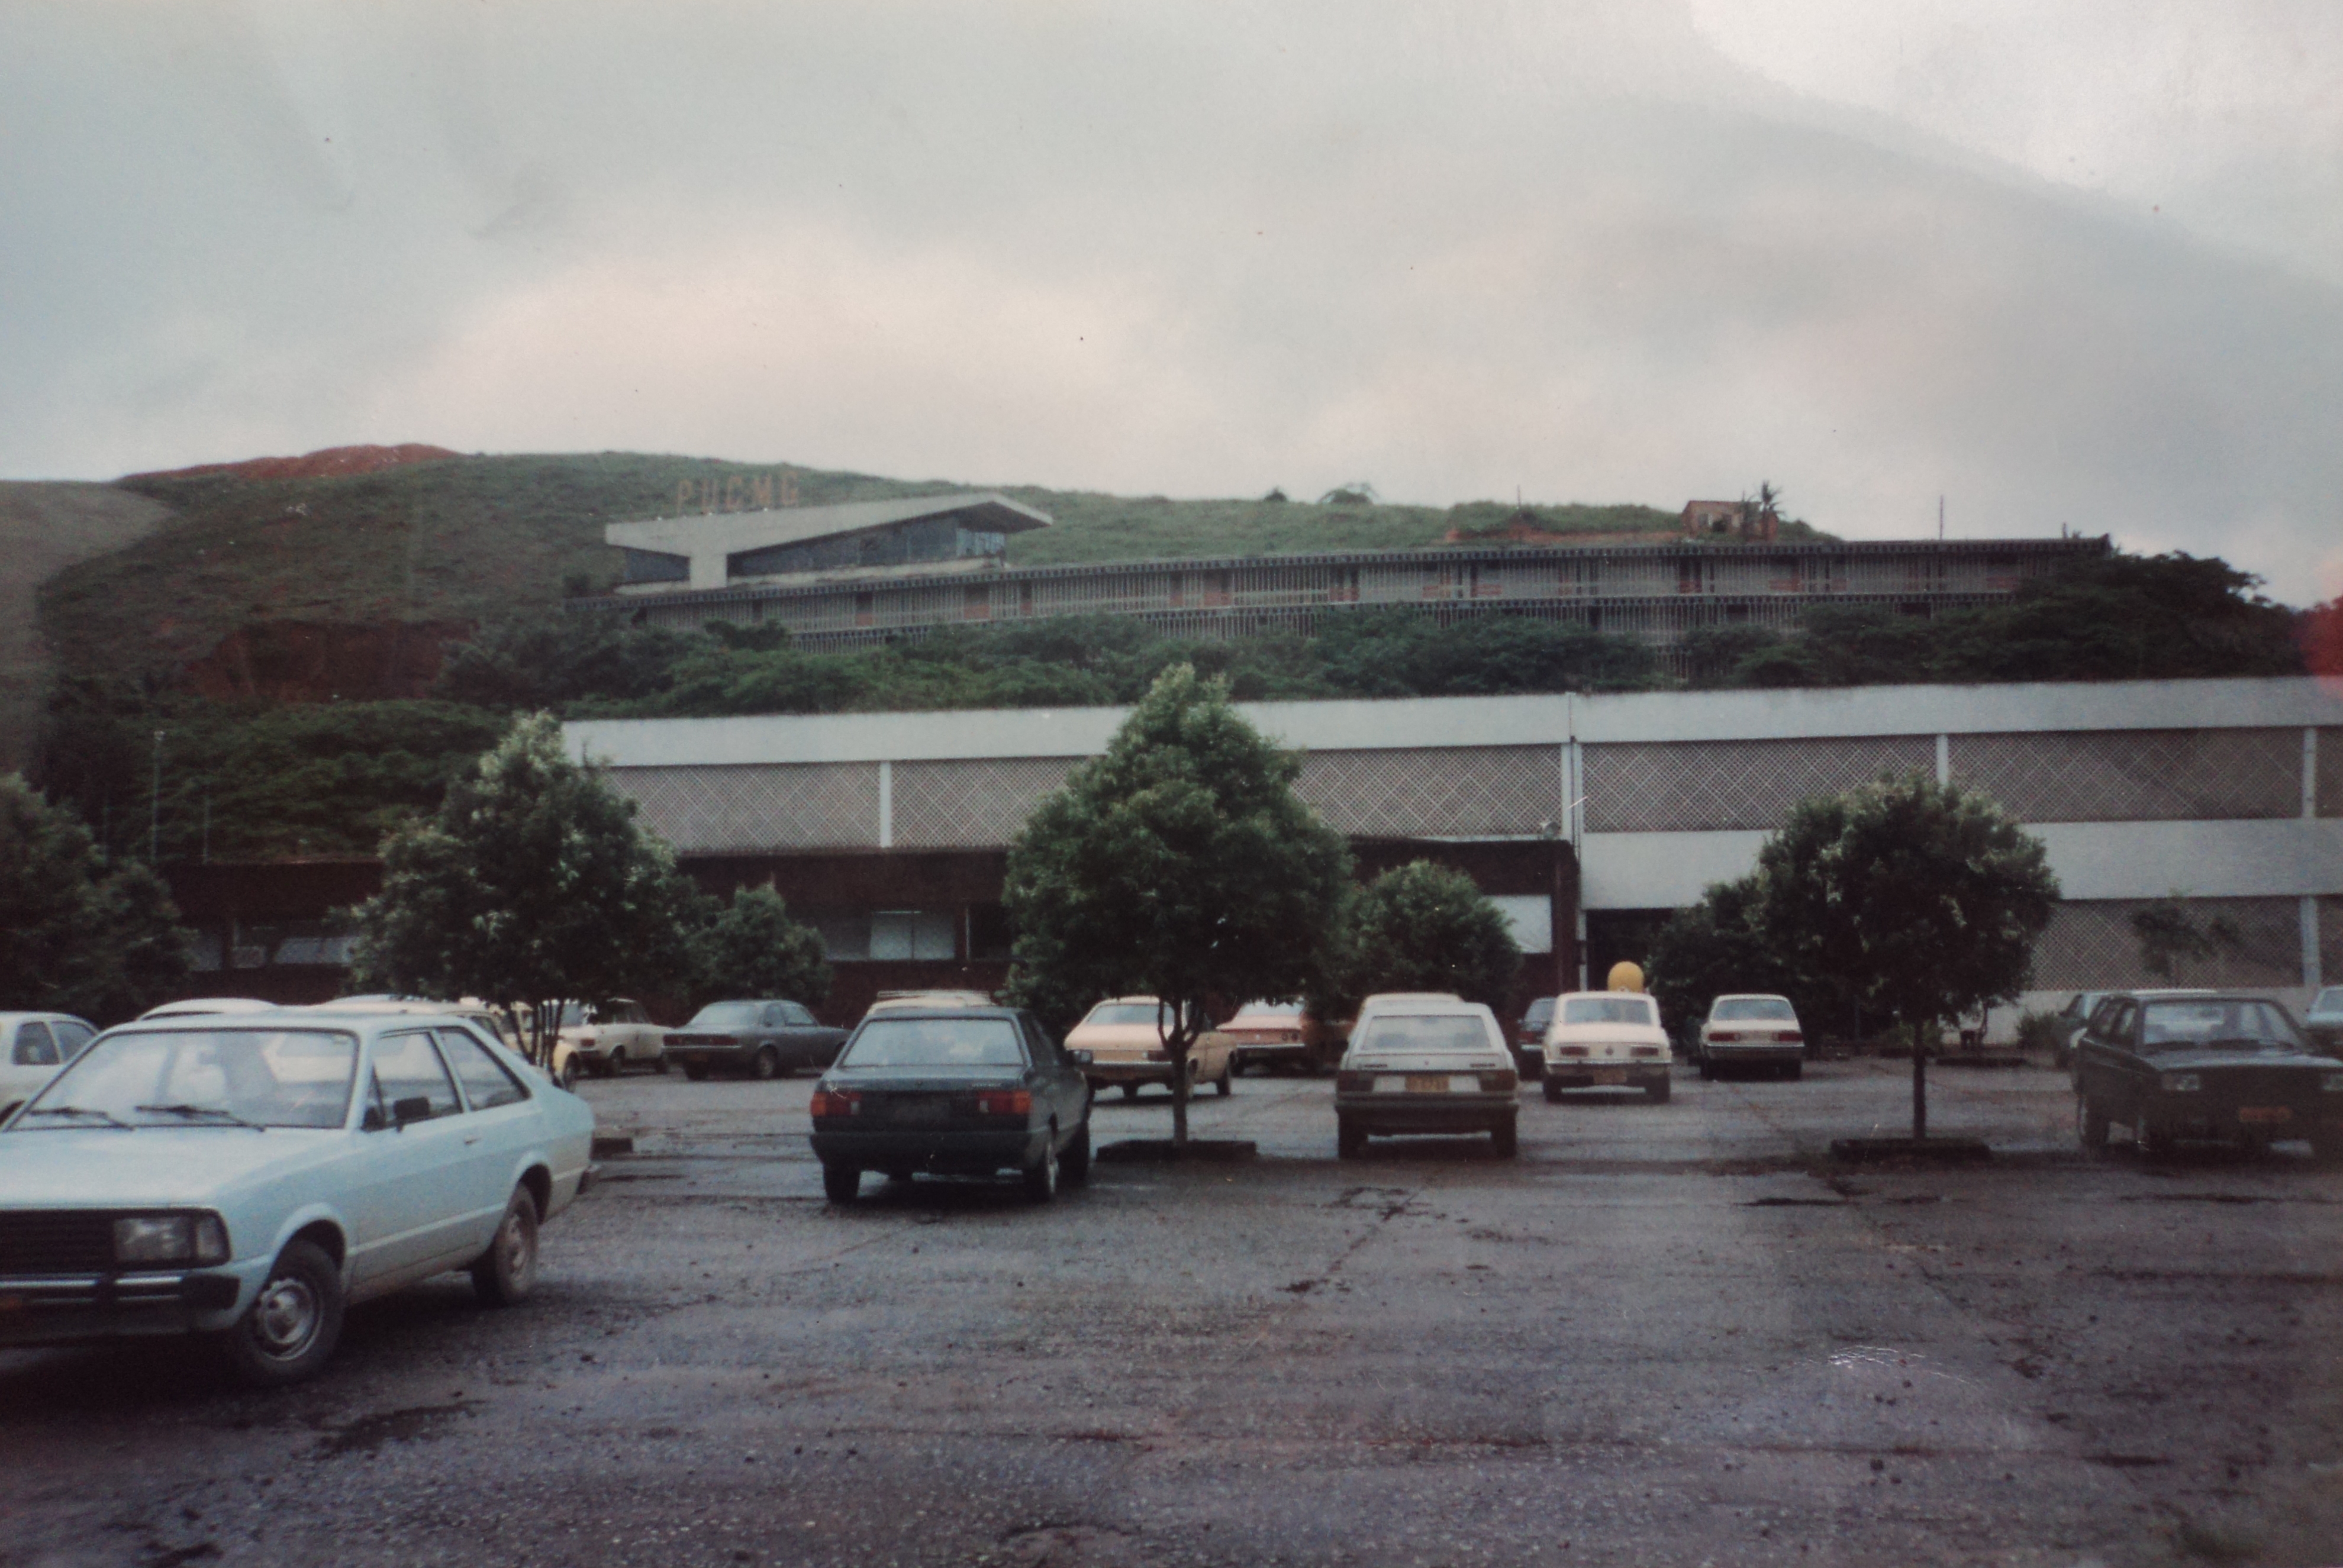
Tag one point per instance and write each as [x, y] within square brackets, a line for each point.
[2179, 1083]
[170, 1239]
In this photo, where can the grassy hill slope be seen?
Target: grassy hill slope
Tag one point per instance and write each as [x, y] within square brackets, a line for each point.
[480, 539]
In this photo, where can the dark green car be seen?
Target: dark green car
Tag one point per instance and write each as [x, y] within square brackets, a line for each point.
[967, 1092]
[2211, 1065]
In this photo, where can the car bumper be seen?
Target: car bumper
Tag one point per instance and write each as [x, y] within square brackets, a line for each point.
[1105, 1072]
[69, 1309]
[1398, 1112]
[967, 1153]
[720, 1057]
[2188, 1116]
[1606, 1075]
[1788, 1051]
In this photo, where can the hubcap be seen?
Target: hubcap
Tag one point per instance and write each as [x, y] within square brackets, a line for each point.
[516, 1249]
[286, 1317]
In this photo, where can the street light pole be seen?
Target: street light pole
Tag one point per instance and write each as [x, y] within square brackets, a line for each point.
[155, 806]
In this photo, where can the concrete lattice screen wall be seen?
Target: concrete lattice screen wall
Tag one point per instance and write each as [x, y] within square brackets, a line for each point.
[1686, 786]
[2330, 773]
[2091, 946]
[2136, 775]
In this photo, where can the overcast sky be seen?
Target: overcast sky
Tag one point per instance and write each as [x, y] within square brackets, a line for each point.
[2064, 262]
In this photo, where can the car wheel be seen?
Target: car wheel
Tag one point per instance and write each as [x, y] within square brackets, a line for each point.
[767, 1066]
[1658, 1092]
[1506, 1138]
[2090, 1124]
[1074, 1164]
[1553, 1092]
[1224, 1084]
[1131, 1092]
[2152, 1138]
[695, 1072]
[899, 1176]
[1042, 1176]
[658, 1062]
[1707, 1070]
[840, 1183]
[618, 1060]
[293, 1324]
[507, 1271]
[1795, 1071]
[570, 1073]
[1350, 1139]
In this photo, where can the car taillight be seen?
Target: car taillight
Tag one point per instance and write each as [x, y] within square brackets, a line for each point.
[1794, 1037]
[1504, 1082]
[1643, 1050]
[1353, 1083]
[835, 1102]
[1570, 1050]
[1291, 1036]
[719, 1039]
[1005, 1102]
[1723, 1036]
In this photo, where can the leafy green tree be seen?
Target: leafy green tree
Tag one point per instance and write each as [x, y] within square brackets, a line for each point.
[1424, 927]
[549, 659]
[531, 885]
[751, 948]
[1921, 900]
[2170, 937]
[1408, 653]
[1179, 864]
[1718, 946]
[78, 933]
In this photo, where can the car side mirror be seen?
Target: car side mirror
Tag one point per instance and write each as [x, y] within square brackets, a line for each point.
[1081, 1057]
[415, 1108]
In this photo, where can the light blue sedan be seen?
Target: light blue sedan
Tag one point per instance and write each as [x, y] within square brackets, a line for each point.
[247, 1177]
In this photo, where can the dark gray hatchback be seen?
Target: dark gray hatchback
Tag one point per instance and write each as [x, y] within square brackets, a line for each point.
[2205, 1065]
[954, 1091]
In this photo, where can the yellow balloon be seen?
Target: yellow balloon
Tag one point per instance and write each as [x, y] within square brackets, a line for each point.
[1626, 977]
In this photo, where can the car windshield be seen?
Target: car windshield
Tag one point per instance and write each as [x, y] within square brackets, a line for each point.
[1423, 1031]
[1144, 1012]
[935, 1042]
[1608, 1009]
[2222, 1023]
[724, 1012]
[1748, 1008]
[202, 1078]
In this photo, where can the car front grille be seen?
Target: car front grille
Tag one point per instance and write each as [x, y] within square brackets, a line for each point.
[56, 1242]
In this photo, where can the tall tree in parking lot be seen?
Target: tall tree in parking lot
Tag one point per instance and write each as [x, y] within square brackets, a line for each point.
[531, 885]
[1422, 927]
[1921, 900]
[1180, 864]
[78, 933]
[751, 948]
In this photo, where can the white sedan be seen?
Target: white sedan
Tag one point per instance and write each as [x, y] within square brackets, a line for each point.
[246, 1177]
[1606, 1039]
[34, 1048]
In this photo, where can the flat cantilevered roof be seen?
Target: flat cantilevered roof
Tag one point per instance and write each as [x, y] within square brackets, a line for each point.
[708, 542]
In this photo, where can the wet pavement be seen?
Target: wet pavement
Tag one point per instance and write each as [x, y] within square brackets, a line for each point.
[1664, 1333]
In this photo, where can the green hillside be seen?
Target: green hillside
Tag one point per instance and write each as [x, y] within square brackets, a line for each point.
[483, 539]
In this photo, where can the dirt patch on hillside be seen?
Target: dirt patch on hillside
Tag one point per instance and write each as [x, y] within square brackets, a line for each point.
[331, 462]
[45, 527]
[306, 661]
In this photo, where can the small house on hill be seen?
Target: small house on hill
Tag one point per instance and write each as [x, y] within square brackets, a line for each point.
[925, 534]
[1744, 522]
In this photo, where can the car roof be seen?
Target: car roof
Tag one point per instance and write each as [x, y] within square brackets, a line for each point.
[42, 1017]
[1740, 996]
[196, 1005]
[949, 1009]
[1581, 995]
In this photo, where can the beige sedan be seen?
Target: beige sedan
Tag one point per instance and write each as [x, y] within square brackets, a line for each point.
[1124, 1036]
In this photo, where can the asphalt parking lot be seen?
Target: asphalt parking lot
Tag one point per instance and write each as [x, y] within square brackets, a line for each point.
[1665, 1334]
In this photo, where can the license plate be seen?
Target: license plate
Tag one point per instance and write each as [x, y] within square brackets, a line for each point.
[1427, 1084]
[2265, 1113]
[920, 1113]
[1609, 1075]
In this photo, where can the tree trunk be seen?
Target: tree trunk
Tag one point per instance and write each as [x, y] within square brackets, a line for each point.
[1176, 1046]
[1920, 1079]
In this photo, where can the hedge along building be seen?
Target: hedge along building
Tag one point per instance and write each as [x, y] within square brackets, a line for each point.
[871, 570]
[1588, 818]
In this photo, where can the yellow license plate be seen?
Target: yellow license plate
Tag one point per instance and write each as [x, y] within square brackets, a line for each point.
[1427, 1084]
[1609, 1075]
[2265, 1113]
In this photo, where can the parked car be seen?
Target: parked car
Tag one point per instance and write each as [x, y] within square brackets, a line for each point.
[971, 1090]
[1607, 1040]
[754, 1039]
[246, 1178]
[1124, 1039]
[2208, 1065]
[1279, 1035]
[488, 1020]
[2323, 1021]
[1426, 1066]
[34, 1047]
[609, 1037]
[1750, 1030]
[892, 1001]
[1529, 1037]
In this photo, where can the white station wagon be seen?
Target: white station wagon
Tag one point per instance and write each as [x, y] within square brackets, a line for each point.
[247, 1176]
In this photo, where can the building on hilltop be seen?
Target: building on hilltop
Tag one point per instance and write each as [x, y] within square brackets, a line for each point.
[793, 546]
[1746, 521]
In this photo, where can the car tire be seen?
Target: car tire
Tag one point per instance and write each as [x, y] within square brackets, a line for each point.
[1074, 1164]
[766, 1065]
[1225, 1085]
[1707, 1070]
[570, 1073]
[504, 1275]
[899, 1176]
[1131, 1092]
[1658, 1093]
[1795, 1071]
[617, 1065]
[1350, 1139]
[292, 1326]
[840, 1183]
[1553, 1092]
[2090, 1124]
[1042, 1176]
[1506, 1138]
[658, 1063]
[2155, 1142]
[695, 1072]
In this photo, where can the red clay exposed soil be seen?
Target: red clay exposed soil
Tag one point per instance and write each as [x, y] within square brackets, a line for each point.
[306, 661]
[331, 463]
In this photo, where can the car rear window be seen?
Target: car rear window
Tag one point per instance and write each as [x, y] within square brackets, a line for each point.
[1437, 1031]
[1128, 1013]
[1608, 1009]
[724, 1012]
[2221, 1023]
[935, 1042]
[1747, 1008]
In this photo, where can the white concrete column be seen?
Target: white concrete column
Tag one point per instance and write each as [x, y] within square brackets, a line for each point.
[1944, 760]
[2311, 977]
[2310, 770]
[886, 804]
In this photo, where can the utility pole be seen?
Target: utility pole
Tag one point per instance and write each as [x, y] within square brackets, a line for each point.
[1940, 519]
[155, 808]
